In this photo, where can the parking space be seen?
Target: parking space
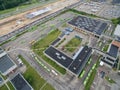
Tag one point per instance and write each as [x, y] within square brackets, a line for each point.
[91, 7]
[102, 8]
[110, 11]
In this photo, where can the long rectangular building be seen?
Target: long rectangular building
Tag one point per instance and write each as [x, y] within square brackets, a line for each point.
[88, 24]
[81, 60]
[37, 13]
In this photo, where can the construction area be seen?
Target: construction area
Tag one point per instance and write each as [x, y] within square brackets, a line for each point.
[15, 22]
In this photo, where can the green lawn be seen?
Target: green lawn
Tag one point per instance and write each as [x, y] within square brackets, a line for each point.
[10, 86]
[4, 87]
[43, 44]
[33, 77]
[105, 48]
[73, 44]
[47, 87]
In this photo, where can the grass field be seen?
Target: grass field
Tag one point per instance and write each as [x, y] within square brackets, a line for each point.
[44, 43]
[105, 48]
[73, 44]
[10, 86]
[33, 77]
[4, 87]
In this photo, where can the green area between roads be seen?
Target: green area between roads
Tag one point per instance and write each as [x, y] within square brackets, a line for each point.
[8, 83]
[10, 86]
[105, 48]
[4, 87]
[91, 75]
[110, 80]
[42, 64]
[73, 44]
[44, 43]
[82, 74]
[34, 79]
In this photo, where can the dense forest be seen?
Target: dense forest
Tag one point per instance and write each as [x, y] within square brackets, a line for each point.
[6, 4]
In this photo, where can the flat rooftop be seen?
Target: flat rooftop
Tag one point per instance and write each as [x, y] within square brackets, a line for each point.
[96, 27]
[113, 51]
[76, 65]
[20, 83]
[79, 63]
[117, 31]
[116, 43]
[5, 63]
[58, 56]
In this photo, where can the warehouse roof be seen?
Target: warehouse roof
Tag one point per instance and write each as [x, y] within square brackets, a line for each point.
[117, 31]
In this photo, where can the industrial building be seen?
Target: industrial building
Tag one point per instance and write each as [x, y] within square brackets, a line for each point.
[117, 33]
[20, 83]
[6, 63]
[76, 64]
[88, 25]
[111, 57]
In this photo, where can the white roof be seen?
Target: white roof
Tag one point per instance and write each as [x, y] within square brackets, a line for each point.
[39, 12]
[117, 31]
[101, 63]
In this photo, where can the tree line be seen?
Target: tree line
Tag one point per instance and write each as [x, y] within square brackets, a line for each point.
[6, 4]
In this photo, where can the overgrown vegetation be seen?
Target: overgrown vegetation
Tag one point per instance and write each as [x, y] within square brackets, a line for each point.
[6, 4]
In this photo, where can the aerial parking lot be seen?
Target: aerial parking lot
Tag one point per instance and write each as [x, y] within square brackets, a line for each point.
[110, 11]
[101, 9]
